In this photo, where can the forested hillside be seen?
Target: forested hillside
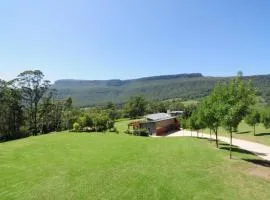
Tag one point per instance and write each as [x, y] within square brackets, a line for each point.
[185, 86]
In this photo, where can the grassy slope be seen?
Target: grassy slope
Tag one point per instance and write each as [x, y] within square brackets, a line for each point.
[110, 166]
[246, 132]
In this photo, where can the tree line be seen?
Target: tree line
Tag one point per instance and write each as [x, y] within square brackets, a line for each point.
[228, 104]
[29, 105]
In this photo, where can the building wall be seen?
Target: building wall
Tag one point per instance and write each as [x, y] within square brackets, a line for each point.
[150, 126]
[159, 127]
[165, 123]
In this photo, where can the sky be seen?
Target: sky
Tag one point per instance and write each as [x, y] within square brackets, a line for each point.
[111, 39]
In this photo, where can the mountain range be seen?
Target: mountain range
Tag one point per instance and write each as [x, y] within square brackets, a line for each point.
[183, 86]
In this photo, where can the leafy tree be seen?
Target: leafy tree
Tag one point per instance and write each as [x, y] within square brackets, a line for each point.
[136, 106]
[237, 97]
[196, 121]
[188, 110]
[155, 107]
[100, 122]
[265, 118]
[33, 88]
[253, 118]
[85, 121]
[113, 113]
[211, 111]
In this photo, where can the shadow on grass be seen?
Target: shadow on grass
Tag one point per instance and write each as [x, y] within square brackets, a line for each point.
[262, 134]
[226, 146]
[264, 163]
[236, 149]
[208, 139]
[243, 132]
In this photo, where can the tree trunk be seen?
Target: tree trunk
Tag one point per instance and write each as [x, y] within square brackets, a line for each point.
[230, 145]
[35, 118]
[216, 138]
[254, 130]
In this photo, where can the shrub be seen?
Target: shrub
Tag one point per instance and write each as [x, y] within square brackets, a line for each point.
[114, 129]
[85, 121]
[128, 132]
[141, 132]
[76, 126]
[110, 124]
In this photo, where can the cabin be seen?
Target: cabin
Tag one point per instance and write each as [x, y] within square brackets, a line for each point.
[159, 123]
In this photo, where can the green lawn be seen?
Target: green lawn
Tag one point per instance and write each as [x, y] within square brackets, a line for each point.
[122, 125]
[117, 166]
[246, 132]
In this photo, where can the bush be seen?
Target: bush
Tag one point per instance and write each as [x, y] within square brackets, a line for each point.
[85, 121]
[76, 126]
[110, 124]
[114, 130]
[128, 132]
[141, 132]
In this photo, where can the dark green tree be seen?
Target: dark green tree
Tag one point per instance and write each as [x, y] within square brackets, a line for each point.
[136, 106]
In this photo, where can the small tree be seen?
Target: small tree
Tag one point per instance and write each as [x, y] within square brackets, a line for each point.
[252, 119]
[236, 97]
[211, 111]
[76, 126]
[196, 122]
[265, 118]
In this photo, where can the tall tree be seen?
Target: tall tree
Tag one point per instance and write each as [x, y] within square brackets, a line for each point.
[33, 88]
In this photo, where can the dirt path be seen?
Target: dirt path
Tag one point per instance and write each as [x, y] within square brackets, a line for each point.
[261, 150]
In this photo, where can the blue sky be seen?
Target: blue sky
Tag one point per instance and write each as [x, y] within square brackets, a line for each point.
[103, 39]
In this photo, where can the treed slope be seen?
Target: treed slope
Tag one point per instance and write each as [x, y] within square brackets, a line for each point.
[185, 86]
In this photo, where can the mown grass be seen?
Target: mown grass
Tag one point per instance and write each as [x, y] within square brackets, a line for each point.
[117, 166]
[246, 132]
